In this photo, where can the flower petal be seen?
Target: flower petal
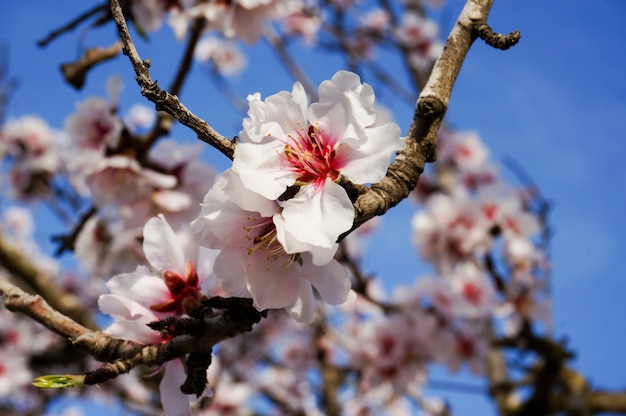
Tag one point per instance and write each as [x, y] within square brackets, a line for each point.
[174, 401]
[303, 309]
[273, 283]
[261, 168]
[142, 286]
[130, 319]
[161, 246]
[331, 281]
[319, 217]
[366, 161]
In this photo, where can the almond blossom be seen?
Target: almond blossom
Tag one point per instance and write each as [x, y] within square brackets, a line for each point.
[419, 36]
[94, 125]
[245, 19]
[285, 142]
[169, 287]
[449, 229]
[261, 258]
[33, 147]
[227, 57]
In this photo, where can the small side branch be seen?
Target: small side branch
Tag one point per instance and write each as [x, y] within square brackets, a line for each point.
[421, 140]
[16, 263]
[75, 73]
[71, 25]
[497, 40]
[163, 100]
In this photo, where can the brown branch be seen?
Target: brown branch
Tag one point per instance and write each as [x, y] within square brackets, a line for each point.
[72, 24]
[164, 120]
[75, 73]
[163, 100]
[421, 140]
[497, 40]
[21, 267]
[120, 355]
[605, 401]
[67, 241]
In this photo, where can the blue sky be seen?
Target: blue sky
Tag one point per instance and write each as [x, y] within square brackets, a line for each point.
[556, 103]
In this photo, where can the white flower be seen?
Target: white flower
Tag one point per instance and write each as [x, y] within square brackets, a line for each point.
[286, 142]
[245, 19]
[140, 116]
[259, 257]
[94, 125]
[167, 289]
[226, 56]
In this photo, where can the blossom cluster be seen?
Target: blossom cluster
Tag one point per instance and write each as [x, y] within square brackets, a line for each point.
[277, 214]
[276, 227]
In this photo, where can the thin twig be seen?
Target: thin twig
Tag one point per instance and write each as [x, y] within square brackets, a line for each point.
[421, 141]
[21, 267]
[165, 121]
[163, 100]
[72, 24]
[292, 66]
[497, 40]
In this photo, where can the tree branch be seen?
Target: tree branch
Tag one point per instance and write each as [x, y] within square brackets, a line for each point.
[72, 24]
[421, 140]
[497, 40]
[163, 100]
[75, 73]
[17, 263]
[165, 121]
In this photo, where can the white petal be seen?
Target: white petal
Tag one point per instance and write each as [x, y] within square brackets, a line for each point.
[173, 201]
[174, 401]
[331, 281]
[130, 319]
[161, 246]
[319, 217]
[320, 255]
[142, 286]
[345, 90]
[303, 309]
[273, 283]
[239, 194]
[368, 159]
[261, 168]
[206, 260]
[229, 268]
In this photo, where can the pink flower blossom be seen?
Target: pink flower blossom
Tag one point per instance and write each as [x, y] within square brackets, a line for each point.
[226, 56]
[139, 117]
[465, 345]
[245, 19]
[450, 228]
[475, 291]
[168, 288]
[94, 125]
[304, 24]
[391, 349]
[259, 256]
[286, 142]
[419, 37]
[376, 20]
[118, 180]
[27, 135]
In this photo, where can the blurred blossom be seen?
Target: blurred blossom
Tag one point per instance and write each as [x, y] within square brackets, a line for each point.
[304, 24]
[139, 116]
[94, 125]
[227, 57]
[419, 36]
